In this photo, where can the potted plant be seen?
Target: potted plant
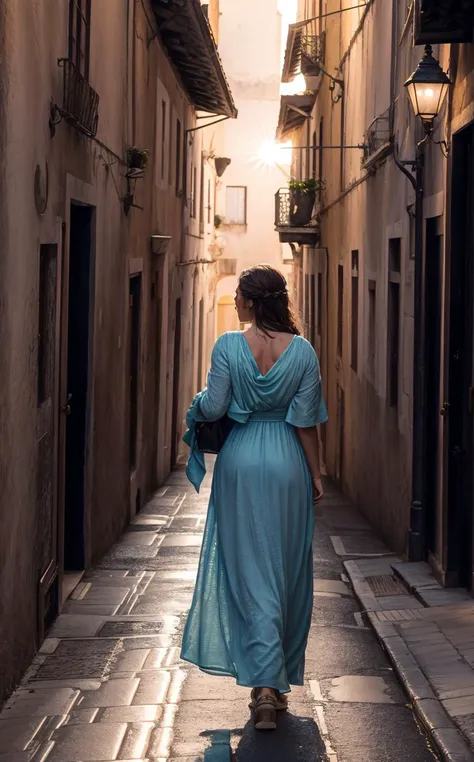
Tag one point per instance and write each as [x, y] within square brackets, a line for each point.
[302, 200]
[217, 220]
[137, 158]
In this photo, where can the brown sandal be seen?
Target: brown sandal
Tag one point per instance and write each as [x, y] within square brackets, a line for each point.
[281, 700]
[265, 708]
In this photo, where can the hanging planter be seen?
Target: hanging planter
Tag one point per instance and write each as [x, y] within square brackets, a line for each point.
[221, 165]
[302, 200]
[137, 158]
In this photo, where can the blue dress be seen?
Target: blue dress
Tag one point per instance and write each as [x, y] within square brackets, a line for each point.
[252, 604]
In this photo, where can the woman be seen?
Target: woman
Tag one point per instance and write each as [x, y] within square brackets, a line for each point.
[253, 599]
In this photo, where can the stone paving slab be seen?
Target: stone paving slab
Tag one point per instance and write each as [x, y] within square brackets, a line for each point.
[108, 683]
[427, 646]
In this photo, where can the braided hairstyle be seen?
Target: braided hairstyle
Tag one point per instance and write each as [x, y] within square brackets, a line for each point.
[267, 289]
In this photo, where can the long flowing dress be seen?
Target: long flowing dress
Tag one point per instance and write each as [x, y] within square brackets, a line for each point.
[252, 604]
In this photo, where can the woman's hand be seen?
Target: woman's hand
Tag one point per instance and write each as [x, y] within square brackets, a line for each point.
[318, 491]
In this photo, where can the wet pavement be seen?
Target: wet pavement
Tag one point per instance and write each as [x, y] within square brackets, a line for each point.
[108, 683]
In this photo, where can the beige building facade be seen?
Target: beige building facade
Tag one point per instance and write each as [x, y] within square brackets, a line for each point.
[379, 321]
[107, 280]
[245, 192]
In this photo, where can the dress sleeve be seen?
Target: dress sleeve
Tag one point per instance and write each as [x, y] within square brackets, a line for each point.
[216, 397]
[307, 407]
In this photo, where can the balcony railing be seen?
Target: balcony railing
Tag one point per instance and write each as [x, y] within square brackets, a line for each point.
[282, 208]
[295, 218]
[80, 104]
[377, 137]
[313, 52]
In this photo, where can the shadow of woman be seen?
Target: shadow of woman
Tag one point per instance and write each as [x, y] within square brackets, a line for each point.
[296, 739]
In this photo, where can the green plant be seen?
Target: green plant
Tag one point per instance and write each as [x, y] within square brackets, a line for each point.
[218, 220]
[305, 186]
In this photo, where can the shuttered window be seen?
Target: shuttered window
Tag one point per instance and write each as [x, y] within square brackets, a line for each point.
[236, 205]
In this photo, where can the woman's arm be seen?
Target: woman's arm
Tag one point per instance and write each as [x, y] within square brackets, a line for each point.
[309, 439]
[216, 397]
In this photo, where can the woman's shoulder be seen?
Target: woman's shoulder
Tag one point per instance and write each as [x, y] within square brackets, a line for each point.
[226, 339]
[306, 350]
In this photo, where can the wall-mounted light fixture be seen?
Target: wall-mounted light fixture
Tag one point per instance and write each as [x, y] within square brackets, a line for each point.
[160, 244]
[221, 163]
[427, 88]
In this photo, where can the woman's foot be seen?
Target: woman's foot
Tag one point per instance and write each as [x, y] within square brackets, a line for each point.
[281, 699]
[265, 709]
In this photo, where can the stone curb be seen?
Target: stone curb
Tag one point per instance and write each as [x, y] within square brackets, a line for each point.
[441, 729]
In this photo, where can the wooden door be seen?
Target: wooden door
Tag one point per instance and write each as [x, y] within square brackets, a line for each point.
[49, 316]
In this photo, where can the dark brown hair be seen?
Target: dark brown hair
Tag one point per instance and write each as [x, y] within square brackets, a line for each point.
[267, 289]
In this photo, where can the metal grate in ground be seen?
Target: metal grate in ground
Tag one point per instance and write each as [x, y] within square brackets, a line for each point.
[386, 584]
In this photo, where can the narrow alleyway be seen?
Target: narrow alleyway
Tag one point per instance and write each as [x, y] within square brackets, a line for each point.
[108, 683]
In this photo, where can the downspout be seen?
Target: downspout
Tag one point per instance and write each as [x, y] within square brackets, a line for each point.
[416, 543]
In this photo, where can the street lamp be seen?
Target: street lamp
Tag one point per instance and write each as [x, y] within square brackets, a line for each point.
[427, 88]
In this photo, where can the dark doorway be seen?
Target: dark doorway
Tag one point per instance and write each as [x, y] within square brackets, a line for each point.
[157, 297]
[80, 246]
[461, 377]
[46, 540]
[200, 381]
[434, 250]
[175, 430]
[135, 291]
[340, 434]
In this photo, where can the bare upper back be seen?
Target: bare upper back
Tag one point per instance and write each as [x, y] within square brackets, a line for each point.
[266, 349]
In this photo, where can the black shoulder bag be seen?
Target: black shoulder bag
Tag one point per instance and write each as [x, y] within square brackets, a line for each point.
[211, 435]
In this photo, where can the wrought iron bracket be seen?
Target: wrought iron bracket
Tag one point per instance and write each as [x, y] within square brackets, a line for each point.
[55, 118]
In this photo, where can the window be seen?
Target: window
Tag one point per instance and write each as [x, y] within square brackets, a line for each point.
[236, 205]
[178, 157]
[170, 141]
[193, 191]
[79, 35]
[312, 332]
[371, 328]
[163, 138]
[319, 321]
[393, 320]
[308, 151]
[340, 308]
[321, 138]
[47, 320]
[306, 305]
[314, 165]
[355, 311]
[135, 292]
[201, 197]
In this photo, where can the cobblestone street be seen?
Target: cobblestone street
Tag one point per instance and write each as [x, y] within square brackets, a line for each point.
[108, 683]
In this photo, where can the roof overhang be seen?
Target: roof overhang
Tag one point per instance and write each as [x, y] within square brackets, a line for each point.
[188, 39]
[294, 110]
[292, 63]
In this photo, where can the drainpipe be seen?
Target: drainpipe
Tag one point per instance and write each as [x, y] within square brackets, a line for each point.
[416, 542]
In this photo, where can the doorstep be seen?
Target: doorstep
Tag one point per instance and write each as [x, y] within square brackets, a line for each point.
[428, 633]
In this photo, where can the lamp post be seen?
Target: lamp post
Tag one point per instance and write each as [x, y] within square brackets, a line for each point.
[427, 88]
